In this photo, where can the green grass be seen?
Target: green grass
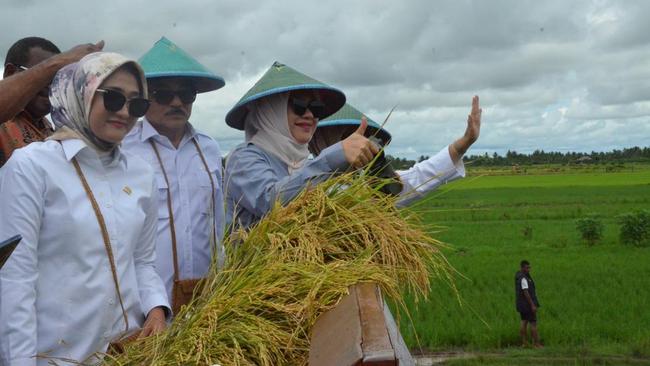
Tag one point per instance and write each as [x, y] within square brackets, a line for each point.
[594, 299]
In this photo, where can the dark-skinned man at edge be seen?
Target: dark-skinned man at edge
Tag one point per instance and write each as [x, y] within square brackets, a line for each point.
[30, 66]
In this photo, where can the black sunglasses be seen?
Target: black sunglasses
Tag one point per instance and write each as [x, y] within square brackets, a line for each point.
[165, 97]
[114, 101]
[299, 107]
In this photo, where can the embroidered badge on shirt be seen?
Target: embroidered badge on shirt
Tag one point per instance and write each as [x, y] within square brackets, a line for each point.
[127, 190]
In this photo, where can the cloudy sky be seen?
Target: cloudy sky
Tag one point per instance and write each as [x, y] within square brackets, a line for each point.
[552, 75]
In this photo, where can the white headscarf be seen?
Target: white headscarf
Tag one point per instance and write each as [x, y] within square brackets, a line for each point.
[267, 127]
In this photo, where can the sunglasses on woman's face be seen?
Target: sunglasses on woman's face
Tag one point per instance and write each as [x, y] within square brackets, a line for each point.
[299, 107]
[114, 101]
[165, 97]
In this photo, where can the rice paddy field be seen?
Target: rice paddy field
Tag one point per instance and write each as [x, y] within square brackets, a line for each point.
[595, 301]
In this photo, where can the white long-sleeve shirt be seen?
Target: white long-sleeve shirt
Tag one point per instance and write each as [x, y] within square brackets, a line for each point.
[190, 192]
[428, 175]
[57, 291]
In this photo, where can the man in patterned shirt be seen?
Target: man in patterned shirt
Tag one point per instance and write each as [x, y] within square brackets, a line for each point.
[29, 67]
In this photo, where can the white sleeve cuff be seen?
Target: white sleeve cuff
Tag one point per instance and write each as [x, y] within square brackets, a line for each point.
[156, 301]
[430, 174]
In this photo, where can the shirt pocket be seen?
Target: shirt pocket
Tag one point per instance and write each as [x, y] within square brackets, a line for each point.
[205, 185]
[163, 189]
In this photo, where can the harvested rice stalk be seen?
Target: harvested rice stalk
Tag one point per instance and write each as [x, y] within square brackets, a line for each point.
[295, 264]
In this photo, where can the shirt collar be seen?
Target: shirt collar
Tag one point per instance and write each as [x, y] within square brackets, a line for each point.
[148, 131]
[73, 147]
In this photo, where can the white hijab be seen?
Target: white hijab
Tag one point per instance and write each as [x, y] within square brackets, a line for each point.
[267, 127]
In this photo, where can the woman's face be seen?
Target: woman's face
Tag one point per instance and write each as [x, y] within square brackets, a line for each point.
[302, 127]
[113, 126]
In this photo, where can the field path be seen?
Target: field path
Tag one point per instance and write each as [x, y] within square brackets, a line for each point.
[442, 358]
[439, 358]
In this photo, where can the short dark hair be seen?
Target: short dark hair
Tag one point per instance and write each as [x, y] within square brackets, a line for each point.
[524, 263]
[133, 70]
[18, 53]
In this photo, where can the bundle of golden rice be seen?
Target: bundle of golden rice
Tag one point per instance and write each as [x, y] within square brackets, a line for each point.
[295, 264]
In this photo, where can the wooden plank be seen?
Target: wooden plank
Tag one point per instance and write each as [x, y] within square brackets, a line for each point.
[336, 336]
[401, 350]
[376, 345]
[359, 331]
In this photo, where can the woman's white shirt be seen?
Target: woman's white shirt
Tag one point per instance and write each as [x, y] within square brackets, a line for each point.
[57, 291]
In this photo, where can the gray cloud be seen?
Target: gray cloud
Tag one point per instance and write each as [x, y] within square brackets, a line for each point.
[551, 75]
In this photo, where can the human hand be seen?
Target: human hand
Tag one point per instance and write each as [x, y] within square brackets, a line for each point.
[76, 53]
[358, 150]
[534, 309]
[473, 122]
[154, 323]
[472, 131]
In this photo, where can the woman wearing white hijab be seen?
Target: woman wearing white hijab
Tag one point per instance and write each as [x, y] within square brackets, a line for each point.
[83, 275]
[279, 115]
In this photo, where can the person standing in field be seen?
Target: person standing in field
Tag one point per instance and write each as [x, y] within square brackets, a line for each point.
[527, 304]
[187, 166]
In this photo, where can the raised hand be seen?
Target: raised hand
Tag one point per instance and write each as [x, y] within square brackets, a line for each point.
[358, 150]
[76, 53]
[472, 132]
[473, 122]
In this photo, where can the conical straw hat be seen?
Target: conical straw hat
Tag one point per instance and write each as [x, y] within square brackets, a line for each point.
[166, 59]
[350, 116]
[279, 79]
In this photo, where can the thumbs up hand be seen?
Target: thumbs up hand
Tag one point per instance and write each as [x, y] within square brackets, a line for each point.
[358, 150]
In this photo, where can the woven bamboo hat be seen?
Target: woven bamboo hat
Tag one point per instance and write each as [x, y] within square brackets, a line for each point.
[350, 116]
[279, 79]
[166, 59]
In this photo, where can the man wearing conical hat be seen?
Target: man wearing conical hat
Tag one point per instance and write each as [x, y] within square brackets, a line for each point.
[188, 169]
[425, 176]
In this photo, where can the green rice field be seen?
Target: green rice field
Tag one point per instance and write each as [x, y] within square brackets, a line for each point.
[595, 301]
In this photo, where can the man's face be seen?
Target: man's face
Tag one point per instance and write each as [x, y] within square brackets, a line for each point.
[39, 106]
[170, 105]
[526, 268]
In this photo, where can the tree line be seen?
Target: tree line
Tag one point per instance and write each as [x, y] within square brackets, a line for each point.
[627, 155]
